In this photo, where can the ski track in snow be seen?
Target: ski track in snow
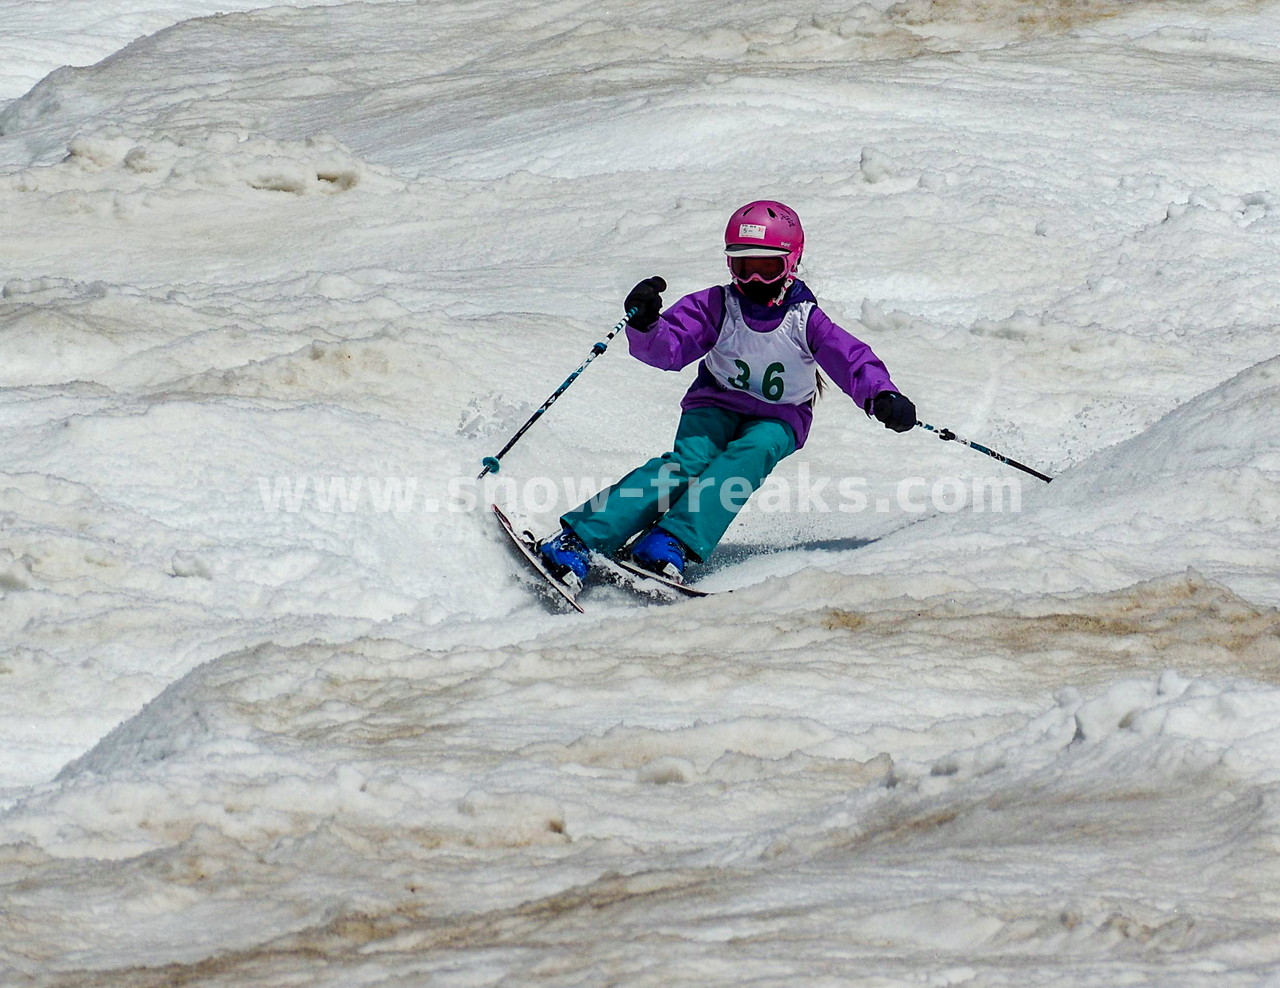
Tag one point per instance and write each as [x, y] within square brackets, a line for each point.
[277, 710]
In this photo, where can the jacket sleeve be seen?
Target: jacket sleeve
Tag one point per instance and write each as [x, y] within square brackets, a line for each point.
[684, 333]
[851, 364]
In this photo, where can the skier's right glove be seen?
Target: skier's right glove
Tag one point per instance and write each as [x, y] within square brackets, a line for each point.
[646, 299]
[896, 411]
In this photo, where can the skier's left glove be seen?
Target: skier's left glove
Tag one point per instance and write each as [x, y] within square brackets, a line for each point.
[646, 299]
[894, 410]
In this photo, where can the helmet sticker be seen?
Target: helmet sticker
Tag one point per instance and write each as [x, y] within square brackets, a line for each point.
[753, 230]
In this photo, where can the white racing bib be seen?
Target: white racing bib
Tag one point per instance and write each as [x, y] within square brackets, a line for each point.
[776, 366]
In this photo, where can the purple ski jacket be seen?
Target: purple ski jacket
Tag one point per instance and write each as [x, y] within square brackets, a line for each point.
[689, 329]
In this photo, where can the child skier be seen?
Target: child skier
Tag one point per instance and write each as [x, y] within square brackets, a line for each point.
[761, 340]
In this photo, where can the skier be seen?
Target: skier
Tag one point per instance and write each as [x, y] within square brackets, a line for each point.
[761, 340]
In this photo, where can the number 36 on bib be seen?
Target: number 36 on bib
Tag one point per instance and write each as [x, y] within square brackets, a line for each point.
[776, 366]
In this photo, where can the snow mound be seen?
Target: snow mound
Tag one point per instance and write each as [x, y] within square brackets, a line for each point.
[1039, 810]
[1215, 458]
[1200, 488]
[121, 164]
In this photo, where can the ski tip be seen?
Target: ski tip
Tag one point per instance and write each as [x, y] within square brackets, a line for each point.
[558, 595]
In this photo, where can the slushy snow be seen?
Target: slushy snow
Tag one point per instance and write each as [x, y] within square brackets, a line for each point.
[277, 707]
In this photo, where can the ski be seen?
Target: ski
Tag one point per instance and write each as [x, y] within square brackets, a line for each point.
[523, 545]
[648, 582]
[620, 569]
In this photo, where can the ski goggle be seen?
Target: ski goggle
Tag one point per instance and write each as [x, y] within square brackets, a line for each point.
[765, 269]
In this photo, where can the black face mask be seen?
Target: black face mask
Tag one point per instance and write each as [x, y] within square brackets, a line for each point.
[761, 293]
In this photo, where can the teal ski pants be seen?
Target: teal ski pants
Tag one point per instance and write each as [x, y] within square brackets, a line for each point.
[694, 492]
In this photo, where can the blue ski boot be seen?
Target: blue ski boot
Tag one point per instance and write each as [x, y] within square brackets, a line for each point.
[566, 557]
[662, 553]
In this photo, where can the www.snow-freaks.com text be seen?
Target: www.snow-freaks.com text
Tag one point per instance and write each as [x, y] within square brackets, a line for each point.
[544, 495]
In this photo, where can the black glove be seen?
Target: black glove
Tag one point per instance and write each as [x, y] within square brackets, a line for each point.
[646, 299]
[894, 410]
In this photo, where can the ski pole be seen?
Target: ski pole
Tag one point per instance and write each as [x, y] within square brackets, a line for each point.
[491, 463]
[948, 436]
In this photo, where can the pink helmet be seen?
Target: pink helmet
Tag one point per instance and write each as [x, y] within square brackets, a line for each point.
[763, 229]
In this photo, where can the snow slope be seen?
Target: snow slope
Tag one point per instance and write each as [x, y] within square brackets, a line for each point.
[44, 35]
[276, 709]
